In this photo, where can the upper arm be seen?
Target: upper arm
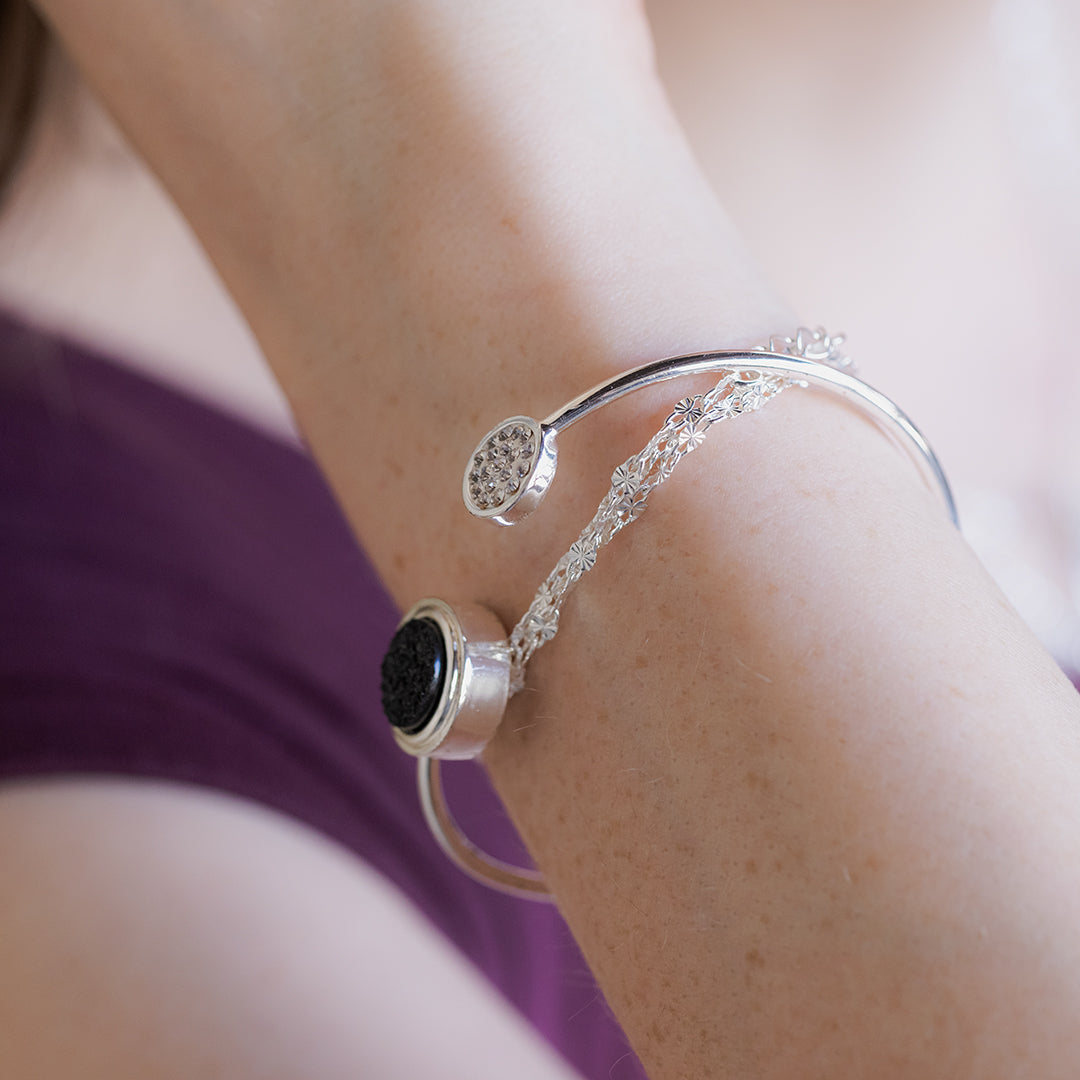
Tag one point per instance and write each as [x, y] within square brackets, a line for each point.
[153, 931]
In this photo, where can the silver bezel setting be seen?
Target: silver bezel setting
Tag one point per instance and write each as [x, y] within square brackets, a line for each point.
[510, 470]
[476, 685]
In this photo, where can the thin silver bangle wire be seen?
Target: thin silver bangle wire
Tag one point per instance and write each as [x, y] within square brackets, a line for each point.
[865, 397]
[460, 850]
[894, 422]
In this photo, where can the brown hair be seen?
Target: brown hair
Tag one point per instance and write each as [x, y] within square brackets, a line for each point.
[23, 41]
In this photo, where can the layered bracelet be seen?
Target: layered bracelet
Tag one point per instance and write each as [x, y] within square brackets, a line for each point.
[450, 670]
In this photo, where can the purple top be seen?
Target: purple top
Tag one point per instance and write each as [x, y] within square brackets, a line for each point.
[181, 598]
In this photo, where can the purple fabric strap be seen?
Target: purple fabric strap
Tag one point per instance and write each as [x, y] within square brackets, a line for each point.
[181, 599]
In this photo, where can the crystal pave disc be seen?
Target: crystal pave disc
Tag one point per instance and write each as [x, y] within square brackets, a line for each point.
[510, 470]
[446, 679]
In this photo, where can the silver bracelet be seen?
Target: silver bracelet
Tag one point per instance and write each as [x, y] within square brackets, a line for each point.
[450, 671]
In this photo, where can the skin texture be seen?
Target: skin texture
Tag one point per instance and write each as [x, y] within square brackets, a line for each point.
[803, 783]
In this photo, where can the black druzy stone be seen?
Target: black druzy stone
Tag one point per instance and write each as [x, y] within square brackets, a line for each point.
[413, 673]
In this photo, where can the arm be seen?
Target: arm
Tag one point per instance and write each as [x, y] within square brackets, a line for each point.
[157, 932]
[819, 805]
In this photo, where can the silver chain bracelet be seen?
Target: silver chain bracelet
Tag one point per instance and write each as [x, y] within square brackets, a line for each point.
[683, 431]
[450, 671]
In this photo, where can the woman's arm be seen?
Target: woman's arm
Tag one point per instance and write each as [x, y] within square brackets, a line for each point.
[153, 931]
[803, 783]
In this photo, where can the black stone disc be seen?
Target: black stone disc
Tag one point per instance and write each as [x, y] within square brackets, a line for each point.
[413, 673]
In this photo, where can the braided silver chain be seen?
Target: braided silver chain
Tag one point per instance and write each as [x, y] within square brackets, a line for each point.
[738, 391]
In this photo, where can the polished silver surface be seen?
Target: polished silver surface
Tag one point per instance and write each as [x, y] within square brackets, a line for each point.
[476, 685]
[496, 874]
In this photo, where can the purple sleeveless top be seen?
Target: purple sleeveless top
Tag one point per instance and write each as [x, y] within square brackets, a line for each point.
[181, 599]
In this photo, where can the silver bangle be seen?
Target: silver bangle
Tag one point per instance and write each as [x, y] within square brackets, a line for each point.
[450, 671]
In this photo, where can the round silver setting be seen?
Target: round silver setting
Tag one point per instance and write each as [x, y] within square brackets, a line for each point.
[510, 470]
[475, 688]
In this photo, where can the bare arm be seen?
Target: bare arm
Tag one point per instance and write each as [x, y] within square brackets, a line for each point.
[154, 931]
[804, 784]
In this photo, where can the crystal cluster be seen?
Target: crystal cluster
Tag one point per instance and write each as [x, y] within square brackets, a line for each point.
[501, 465]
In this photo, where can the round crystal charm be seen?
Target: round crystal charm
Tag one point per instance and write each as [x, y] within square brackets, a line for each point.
[511, 467]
